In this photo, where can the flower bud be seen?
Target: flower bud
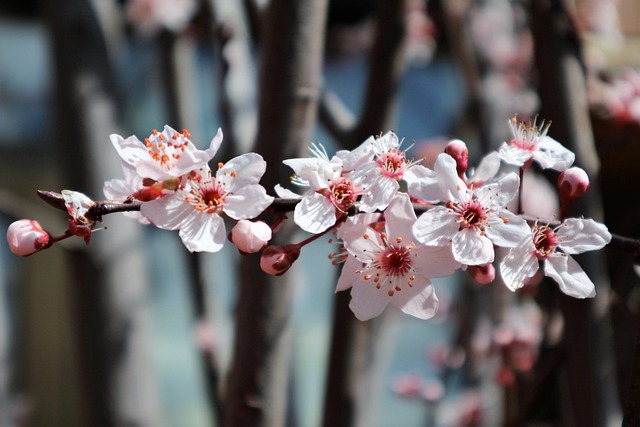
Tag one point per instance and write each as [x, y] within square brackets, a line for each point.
[276, 260]
[250, 237]
[572, 183]
[408, 386]
[26, 237]
[483, 274]
[458, 150]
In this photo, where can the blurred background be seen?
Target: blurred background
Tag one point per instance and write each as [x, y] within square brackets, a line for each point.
[132, 330]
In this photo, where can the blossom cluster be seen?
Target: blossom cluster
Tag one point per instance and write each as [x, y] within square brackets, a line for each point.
[368, 197]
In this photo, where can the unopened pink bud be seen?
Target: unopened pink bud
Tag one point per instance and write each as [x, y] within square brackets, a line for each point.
[483, 274]
[408, 386]
[26, 237]
[572, 183]
[250, 237]
[458, 150]
[276, 260]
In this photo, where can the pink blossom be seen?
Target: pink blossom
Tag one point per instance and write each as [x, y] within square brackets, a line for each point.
[164, 155]
[390, 267]
[196, 207]
[26, 237]
[472, 220]
[380, 176]
[332, 190]
[150, 16]
[554, 246]
[249, 236]
[530, 142]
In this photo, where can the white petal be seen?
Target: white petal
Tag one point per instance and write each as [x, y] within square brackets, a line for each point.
[246, 169]
[202, 232]
[487, 169]
[315, 171]
[552, 154]
[581, 235]
[189, 160]
[348, 274]
[216, 141]
[508, 187]
[419, 301]
[378, 195]
[423, 184]
[315, 213]
[514, 155]
[362, 242]
[367, 302]
[436, 227]
[131, 150]
[470, 248]
[247, 202]
[286, 193]
[507, 229]
[519, 264]
[453, 187]
[434, 262]
[148, 168]
[400, 217]
[572, 280]
[354, 159]
[167, 212]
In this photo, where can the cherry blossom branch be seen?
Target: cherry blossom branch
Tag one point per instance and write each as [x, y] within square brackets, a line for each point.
[282, 205]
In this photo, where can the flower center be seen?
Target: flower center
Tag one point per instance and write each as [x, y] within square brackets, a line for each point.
[470, 215]
[343, 193]
[395, 261]
[208, 198]
[526, 135]
[392, 268]
[393, 163]
[545, 240]
[167, 151]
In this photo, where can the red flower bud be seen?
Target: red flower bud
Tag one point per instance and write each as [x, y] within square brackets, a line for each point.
[458, 150]
[26, 237]
[276, 260]
[572, 184]
[483, 274]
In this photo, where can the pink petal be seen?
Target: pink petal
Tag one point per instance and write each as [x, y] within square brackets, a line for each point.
[434, 262]
[400, 217]
[367, 302]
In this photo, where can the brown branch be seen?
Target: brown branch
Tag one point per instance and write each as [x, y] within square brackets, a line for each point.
[622, 243]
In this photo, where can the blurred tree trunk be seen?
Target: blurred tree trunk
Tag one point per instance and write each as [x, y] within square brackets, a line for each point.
[589, 367]
[110, 283]
[290, 75]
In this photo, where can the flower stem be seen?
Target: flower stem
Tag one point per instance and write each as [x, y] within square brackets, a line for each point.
[520, 211]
